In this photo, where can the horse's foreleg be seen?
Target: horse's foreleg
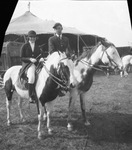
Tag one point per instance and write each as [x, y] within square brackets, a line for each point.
[73, 96]
[20, 100]
[125, 73]
[9, 93]
[49, 108]
[121, 73]
[45, 113]
[125, 70]
[8, 107]
[83, 108]
[40, 118]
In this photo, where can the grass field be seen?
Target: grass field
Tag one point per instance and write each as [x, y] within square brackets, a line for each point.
[109, 109]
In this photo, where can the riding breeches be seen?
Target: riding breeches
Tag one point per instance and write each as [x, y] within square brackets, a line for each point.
[31, 74]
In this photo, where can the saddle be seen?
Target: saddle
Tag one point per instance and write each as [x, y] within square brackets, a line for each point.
[22, 80]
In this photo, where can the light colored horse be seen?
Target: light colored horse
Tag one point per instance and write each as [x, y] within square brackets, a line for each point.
[127, 62]
[83, 76]
[57, 68]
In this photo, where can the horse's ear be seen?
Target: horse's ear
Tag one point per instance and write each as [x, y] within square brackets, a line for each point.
[58, 68]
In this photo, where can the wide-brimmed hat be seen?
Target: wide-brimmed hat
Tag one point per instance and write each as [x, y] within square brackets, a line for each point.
[31, 33]
[56, 25]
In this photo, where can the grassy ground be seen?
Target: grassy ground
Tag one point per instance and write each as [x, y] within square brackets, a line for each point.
[109, 109]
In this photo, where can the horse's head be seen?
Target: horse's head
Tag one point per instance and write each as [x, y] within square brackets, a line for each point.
[60, 63]
[111, 57]
[131, 60]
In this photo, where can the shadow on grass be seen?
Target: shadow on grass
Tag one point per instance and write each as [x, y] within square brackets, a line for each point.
[107, 127]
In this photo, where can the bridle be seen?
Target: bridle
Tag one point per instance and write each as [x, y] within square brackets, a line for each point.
[110, 59]
[60, 81]
[100, 67]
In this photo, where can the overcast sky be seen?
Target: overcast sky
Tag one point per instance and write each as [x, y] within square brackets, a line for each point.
[108, 19]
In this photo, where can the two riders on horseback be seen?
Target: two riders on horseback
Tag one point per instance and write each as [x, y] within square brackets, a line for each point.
[31, 56]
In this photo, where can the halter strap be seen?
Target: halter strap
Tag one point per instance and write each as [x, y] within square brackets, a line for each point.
[94, 66]
[56, 79]
[111, 60]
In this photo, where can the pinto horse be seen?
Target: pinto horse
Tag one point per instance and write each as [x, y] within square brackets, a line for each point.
[83, 75]
[127, 61]
[55, 72]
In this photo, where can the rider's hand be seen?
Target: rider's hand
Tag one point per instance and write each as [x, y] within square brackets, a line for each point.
[41, 60]
[33, 60]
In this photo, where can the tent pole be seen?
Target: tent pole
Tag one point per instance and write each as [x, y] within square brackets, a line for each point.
[25, 38]
[78, 44]
[95, 40]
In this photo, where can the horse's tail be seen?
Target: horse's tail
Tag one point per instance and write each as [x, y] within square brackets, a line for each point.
[7, 83]
[1, 80]
[2, 74]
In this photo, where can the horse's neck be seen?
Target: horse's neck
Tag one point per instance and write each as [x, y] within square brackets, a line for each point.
[131, 60]
[131, 57]
[95, 58]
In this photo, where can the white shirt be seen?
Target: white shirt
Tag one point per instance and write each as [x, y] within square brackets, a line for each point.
[59, 36]
[32, 46]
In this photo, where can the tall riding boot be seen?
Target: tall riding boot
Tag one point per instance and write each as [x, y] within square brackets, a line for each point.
[31, 93]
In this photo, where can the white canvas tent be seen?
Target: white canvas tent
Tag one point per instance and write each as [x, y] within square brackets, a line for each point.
[28, 21]
[20, 26]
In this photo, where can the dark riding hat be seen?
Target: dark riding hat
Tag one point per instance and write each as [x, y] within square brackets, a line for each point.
[31, 33]
[56, 25]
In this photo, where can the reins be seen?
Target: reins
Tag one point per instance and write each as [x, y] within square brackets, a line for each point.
[110, 60]
[56, 79]
[99, 67]
[94, 66]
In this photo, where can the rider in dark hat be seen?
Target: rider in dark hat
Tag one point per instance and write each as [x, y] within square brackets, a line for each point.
[56, 25]
[58, 42]
[30, 56]
[31, 33]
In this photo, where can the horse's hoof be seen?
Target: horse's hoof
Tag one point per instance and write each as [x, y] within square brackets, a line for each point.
[39, 136]
[69, 127]
[50, 131]
[22, 120]
[87, 123]
[44, 117]
[8, 123]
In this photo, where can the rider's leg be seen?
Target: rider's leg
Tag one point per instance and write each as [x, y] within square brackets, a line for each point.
[31, 79]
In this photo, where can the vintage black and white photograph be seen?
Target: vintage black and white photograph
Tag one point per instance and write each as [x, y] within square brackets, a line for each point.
[66, 76]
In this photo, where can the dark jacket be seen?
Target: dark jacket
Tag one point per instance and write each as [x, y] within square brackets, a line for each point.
[26, 54]
[57, 44]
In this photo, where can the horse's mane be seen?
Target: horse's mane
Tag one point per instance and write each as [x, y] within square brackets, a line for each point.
[106, 43]
[89, 53]
[54, 59]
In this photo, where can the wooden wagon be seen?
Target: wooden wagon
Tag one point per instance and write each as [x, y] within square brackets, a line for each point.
[10, 55]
